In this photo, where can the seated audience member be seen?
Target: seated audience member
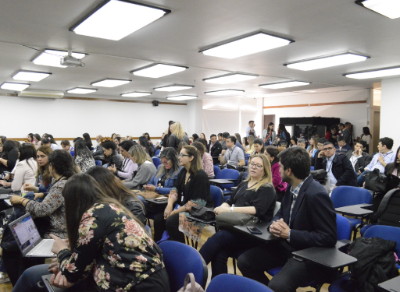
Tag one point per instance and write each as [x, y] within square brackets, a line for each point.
[282, 145]
[88, 141]
[206, 159]
[115, 189]
[380, 159]
[203, 136]
[254, 196]
[306, 219]
[269, 135]
[83, 156]
[30, 138]
[145, 171]
[393, 169]
[177, 136]
[301, 143]
[338, 167]
[258, 147]
[98, 150]
[25, 170]
[43, 177]
[284, 133]
[9, 156]
[127, 167]
[110, 154]
[320, 147]
[245, 143]
[225, 135]
[234, 154]
[215, 148]
[147, 137]
[53, 145]
[37, 141]
[280, 186]
[342, 147]
[332, 135]
[204, 142]
[312, 148]
[358, 158]
[191, 188]
[250, 140]
[238, 144]
[146, 146]
[293, 142]
[117, 140]
[180, 146]
[195, 137]
[65, 145]
[129, 261]
[61, 167]
[222, 141]
[113, 136]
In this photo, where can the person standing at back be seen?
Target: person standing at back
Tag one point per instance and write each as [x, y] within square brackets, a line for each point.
[250, 129]
[177, 136]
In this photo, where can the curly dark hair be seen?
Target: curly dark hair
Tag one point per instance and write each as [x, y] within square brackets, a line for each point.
[62, 162]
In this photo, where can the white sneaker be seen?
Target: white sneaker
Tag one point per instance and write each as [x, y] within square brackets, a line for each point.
[4, 278]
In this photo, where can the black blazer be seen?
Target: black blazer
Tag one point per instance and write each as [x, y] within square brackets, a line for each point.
[215, 151]
[341, 168]
[362, 162]
[313, 221]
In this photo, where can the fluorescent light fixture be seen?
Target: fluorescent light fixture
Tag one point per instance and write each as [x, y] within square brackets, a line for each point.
[285, 84]
[135, 94]
[173, 87]
[30, 76]
[231, 92]
[374, 73]
[110, 82]
[81, 90]
[182, 97]
[42, 93]
[52, 58]
[246, 45]
[327, 61]
[14, 86]
[304, 91]
[115, 19]
[388, 8]
[158, 70]
[230, 78]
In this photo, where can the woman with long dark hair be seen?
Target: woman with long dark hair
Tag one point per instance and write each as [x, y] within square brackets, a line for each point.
[83, 156]
[366, 136]
[114, 188]
[128, 167]
[206, 159]
[9, 156]
[269, 135]
[284, 133]
[146, 145]
[258, 147]
[53, 145]
[88, 141]
[110, 154]
[30, 138]
[148, 138]
[167, 134]
[280, 187]
[107, 246]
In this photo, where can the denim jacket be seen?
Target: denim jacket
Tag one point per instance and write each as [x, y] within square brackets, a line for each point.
[168, 185]
[42, 188]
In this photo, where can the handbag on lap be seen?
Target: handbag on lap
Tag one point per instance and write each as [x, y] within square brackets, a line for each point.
[227, 220]
[376, 181]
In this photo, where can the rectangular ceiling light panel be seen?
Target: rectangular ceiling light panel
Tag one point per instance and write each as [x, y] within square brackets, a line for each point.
[246, 45]
[182, 97]
[14, 86]
[374, 73]
[173, 87]
[30, 76]
[284, 84]
[328, 61]
[110, 82]
[388, 8]
[158, 70]
[80, 90]
[135, 94]
[230, 78]
[231, 92]
[52, 58]
[116, 19]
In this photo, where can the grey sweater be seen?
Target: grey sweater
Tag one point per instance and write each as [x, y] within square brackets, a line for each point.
[144, 174]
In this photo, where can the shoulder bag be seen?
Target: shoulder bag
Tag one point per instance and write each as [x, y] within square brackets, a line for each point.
[376, 181]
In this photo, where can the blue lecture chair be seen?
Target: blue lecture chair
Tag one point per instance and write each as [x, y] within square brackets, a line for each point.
[228, 174]
[98, 162]
[157, 152]
[233, 283]
[216, 170]
[156, 161]
[181, 259]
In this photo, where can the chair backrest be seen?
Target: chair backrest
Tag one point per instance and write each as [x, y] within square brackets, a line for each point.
[234, 283]
[226, 174]
[216, 170]
[98, 162]
[216, 194]
[277, 207]
[181, 259]
[343, 227]
[385, 232]
[157, 153]
[347, 196]
[156, 161]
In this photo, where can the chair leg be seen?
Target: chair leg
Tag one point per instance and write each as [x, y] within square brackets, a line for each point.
[234, 264]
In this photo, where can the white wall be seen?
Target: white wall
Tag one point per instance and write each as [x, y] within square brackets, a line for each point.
[72, 118]
[390, 104]
[195, 117]
[357, 114]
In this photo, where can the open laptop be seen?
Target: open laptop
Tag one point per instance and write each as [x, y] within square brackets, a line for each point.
[50, 288]
[28, 238]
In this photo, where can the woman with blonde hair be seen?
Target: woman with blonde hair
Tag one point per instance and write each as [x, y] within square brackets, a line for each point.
[146, 169]
[254, 196]
[191, 188]
[177, 136]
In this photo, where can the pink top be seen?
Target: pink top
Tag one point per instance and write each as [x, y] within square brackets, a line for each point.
[208, 165]
[279, 185]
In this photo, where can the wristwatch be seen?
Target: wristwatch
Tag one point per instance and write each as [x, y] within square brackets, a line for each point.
[232, 208]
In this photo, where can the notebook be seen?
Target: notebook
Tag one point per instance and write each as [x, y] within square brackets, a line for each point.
[28, 238]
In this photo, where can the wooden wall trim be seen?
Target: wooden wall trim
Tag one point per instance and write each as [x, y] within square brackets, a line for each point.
[71, 139]
[316, 104]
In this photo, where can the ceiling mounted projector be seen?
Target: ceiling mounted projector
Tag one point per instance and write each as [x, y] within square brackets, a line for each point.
[70, 61]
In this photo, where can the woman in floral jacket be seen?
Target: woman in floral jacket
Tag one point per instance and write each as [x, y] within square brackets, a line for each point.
[105, 244]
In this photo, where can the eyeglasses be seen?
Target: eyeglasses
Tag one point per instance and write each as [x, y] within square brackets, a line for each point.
[259, 166]
[182, 155]
[166, 162]
[328, 148]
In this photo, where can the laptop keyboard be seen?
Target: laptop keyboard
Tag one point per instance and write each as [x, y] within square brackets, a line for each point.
[43, 248]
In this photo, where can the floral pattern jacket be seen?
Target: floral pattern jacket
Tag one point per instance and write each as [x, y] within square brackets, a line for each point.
[113, 248]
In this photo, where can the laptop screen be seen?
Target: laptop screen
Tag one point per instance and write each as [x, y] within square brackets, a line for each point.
[25, 233]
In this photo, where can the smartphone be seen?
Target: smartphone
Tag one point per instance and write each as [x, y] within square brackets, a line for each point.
[254, 230]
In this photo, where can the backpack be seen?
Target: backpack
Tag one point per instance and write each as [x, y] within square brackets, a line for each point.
[376, 262]
[388, 212]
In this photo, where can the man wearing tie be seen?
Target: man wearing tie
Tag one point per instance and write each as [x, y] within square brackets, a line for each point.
[306, 219]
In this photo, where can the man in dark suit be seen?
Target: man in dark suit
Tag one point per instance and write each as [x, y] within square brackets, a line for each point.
[358, 158]
[338, 167]
[215, 148]
[306, 219]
